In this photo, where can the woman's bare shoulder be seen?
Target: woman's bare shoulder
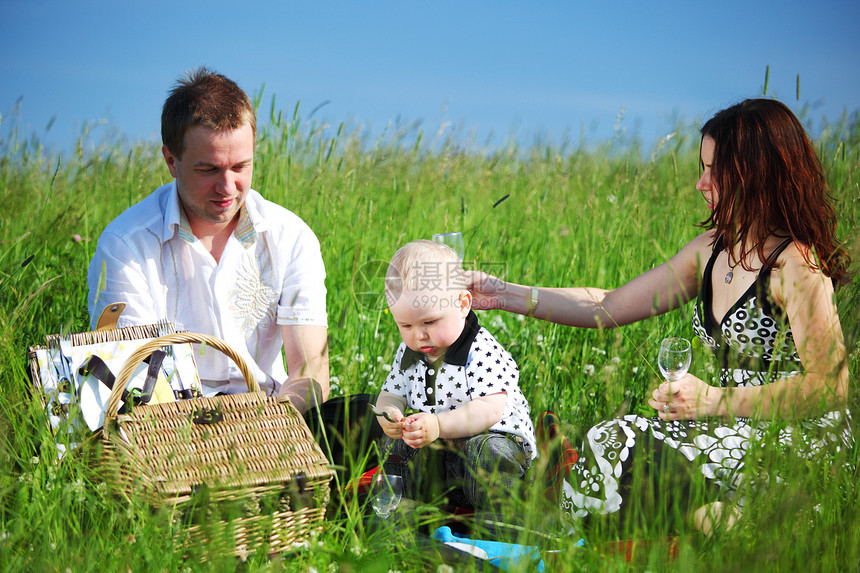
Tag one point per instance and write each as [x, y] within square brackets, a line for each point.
[795, 274]
[705, 240]
[796, 259]
[699, 248]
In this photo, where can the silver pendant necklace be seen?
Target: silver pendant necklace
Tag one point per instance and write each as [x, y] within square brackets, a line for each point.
[730, 275]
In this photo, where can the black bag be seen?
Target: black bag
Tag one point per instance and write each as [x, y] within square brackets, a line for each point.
[346, 430]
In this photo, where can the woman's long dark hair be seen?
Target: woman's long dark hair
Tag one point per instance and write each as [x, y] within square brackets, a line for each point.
[770, 180]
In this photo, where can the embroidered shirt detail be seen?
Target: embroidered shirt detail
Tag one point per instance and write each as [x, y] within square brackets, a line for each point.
[253, 299]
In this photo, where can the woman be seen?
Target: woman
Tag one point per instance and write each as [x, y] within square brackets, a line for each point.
[764, 305]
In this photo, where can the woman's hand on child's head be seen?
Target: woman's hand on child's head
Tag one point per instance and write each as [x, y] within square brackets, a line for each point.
[420, 429]
[486, 290]
[393, 430]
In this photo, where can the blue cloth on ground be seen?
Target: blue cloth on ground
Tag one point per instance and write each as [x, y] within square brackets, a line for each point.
[503, 555]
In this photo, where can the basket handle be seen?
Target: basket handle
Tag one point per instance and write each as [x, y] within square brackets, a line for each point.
[177, 338]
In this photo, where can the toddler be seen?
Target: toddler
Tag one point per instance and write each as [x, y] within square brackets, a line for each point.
[461, 382]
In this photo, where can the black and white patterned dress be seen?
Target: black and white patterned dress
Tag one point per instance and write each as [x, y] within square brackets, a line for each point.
[755, 346]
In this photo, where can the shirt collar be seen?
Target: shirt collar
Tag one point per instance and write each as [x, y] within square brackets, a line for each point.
[457, 354]
[176, 223]
[245, 231]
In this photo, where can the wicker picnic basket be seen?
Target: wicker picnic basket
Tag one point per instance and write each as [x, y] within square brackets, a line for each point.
[242, 470]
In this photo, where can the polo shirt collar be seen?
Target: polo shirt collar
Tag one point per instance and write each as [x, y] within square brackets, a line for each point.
[457, 354]
[176, 223]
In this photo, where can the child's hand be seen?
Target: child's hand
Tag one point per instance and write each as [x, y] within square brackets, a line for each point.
[393, 430]
[420, 430]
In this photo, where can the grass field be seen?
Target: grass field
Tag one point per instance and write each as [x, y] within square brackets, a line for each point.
[573, 215]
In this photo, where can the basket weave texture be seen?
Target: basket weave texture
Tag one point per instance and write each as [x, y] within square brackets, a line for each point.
[247, 463]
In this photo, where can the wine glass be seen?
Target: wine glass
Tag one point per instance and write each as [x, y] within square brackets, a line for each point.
[453, 240]
[674, 358]
[385, 493]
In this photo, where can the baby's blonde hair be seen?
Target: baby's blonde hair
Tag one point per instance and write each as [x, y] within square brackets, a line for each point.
[423, 265]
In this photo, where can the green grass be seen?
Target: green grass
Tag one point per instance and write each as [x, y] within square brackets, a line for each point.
[573, 216]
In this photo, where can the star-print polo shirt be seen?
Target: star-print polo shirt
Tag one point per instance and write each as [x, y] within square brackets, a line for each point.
[475, 365]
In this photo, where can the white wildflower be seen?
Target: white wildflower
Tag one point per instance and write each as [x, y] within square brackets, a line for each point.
[78, 489]
[359, 358]
[386, 367]
[598, 351]
[612, 199]
[616, 360]
[635, 369]
[35, 460]
[379, 358]
[443, 568]
[588, 369]
[497, 323]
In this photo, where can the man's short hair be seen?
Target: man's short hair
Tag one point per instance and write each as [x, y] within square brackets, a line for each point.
[205, 98]
[424, 265]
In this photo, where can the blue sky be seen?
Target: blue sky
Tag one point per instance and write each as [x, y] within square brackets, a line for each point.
[487, 67]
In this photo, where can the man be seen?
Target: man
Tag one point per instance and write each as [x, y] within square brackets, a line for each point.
[209, 254]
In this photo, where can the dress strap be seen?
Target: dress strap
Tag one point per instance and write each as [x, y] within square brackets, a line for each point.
[774, 255]
[704, 302]
[718, 248]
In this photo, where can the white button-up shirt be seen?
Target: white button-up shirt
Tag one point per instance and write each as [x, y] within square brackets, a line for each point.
[271, 273]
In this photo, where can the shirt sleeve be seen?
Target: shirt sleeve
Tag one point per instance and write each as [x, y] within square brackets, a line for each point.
[116, 274]
[490, 368]
[303, 291]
